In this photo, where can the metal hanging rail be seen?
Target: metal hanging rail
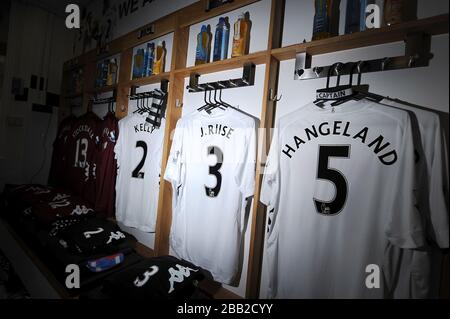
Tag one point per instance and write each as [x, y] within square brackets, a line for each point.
[107, 100]
[158, 93]
[248, 79]
[417, 54]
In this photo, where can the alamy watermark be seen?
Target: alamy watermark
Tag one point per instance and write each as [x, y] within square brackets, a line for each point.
[73, 277]
[373, 18]
[373, 277]
[73, 17]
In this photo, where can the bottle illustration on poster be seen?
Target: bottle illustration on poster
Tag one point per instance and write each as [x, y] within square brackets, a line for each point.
[241, 36]
[203, 51]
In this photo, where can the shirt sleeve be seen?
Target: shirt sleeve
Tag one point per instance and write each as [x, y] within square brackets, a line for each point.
[175, 163]
[438, 206]
[270, 188]
[270, 193]
[118, 146]
[245, 171]
[404, 228]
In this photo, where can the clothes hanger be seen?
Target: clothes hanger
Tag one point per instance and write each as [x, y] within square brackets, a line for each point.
[146, 98]
[359, 91]
[206, 102]
[354, 88]
[145, 108]
[333, 93]
[216, 104]
[220, 96]
[162, 103]
[320, 102]
[138, 108]
[160, 94]
[210, 105]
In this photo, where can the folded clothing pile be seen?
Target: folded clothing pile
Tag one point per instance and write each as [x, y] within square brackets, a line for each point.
[37, 210]
[67, 231]
[63, 229]
[164, 277]
[90, 239]
[19, 198]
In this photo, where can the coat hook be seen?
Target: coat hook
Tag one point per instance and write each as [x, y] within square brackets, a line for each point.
[232, 83]
[337, 70]
[317, 70]
[384, 63]
[411, 61]
[273, 97]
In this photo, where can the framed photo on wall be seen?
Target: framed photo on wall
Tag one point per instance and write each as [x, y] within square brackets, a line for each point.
[212, 4]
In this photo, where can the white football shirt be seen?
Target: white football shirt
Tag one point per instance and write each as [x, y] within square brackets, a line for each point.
[339, 188]
[139, 153]
[212, 170]
[419, 271]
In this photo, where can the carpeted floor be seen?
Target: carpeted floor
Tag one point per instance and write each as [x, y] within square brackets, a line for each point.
[10, 285]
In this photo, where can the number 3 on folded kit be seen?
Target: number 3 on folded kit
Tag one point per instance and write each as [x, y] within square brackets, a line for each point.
[153, 270]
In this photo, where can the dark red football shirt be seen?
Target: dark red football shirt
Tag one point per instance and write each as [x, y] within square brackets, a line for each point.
[81, 156]
[60, 148]
[106, 167]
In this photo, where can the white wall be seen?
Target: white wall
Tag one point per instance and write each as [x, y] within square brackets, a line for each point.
[423, 86]
[36, 45]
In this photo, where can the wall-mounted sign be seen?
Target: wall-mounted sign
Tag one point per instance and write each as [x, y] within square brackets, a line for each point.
[150, 29]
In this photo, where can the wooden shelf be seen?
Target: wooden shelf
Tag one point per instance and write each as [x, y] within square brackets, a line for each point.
[228, 64]
[149, 79]
[433, 26]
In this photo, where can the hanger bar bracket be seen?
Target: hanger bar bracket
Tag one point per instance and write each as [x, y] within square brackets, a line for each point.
[248, 79]
[159, 94]
[164, 85]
